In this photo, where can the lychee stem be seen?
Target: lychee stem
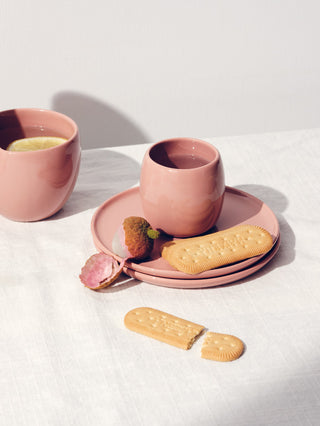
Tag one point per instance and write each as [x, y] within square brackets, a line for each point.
[152, 233]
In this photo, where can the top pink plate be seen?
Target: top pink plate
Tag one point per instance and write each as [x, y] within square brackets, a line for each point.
[238, 208]
[205, 282]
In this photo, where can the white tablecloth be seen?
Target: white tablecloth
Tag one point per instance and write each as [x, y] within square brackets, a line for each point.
[67, 359]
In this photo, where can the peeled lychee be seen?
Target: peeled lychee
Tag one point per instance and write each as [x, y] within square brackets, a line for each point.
[134, 238]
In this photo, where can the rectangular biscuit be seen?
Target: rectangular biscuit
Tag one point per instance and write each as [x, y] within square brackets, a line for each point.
[163, 326]
[198, 254]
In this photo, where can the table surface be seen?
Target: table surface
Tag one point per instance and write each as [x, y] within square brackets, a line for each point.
[66, 357]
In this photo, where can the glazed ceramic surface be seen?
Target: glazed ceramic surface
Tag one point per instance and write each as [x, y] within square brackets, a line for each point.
[206, 282]
[238, 208]
[182, 186]
[36, 184]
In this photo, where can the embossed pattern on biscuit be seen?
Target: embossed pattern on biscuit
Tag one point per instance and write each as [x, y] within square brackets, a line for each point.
[198, 254]
[162, 326]
[221, 347]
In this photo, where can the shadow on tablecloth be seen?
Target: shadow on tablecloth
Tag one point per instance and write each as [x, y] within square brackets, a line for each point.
[102, 174]
[278, 203]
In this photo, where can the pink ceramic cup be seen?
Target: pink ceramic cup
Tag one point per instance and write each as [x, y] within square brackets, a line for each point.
[36, 184]
[182, 186]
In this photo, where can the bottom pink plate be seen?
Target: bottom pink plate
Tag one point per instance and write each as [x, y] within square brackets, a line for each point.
[204, 282]
[238, 208]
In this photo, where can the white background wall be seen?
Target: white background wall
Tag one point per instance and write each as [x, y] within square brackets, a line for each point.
[143, 70]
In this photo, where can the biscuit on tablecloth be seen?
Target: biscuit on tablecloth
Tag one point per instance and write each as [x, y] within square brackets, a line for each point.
[221, 347]
[163, 326]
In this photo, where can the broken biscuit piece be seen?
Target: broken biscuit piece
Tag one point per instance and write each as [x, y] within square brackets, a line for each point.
[221, 347]
[162, 326]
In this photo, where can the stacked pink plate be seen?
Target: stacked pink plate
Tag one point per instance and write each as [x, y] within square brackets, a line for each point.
[239, 207]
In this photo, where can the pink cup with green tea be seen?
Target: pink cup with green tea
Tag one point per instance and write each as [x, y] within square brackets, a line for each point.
[182, 186]
[36, 184]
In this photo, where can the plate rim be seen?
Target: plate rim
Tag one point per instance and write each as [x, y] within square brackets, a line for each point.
[206, 282]
[139, 267]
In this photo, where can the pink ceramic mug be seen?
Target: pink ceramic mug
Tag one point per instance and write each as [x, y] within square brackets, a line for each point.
[36, 184]
[182, 186]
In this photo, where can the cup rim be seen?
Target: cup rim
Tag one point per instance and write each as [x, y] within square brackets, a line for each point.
[42, 110]
[200, 141]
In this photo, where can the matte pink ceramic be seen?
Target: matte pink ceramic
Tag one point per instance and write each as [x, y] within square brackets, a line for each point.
[36, 184]
[238, 208]
[205, 282]
[182, 186]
